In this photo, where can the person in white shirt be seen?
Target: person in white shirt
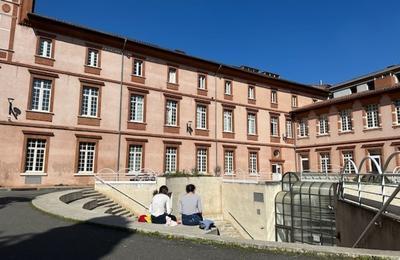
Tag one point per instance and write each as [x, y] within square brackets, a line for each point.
[161, 206]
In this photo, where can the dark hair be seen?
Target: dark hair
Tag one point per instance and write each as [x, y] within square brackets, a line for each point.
[190, 188]
[163, 189]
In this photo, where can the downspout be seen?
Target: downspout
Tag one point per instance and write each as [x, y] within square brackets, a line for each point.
[215, 116]
[120, 105]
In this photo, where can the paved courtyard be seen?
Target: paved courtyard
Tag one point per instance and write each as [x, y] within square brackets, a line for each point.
[28, 233]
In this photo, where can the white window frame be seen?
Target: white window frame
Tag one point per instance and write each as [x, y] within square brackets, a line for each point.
[202, 81]
[372, 116]
[90, 101]
[41, 95]
[138, 67]
[397, 111]
[274, 125]
[253, 166]
[201, 117]
[251, 124]
[93, 58]
[325, 161]
[172, 75]
[323, 125]
[88, 151]
[294, 101]
[251, 92]
[171, 159]
[348, 166]
[274, 96]
[135, 158]
[303, 128]
[137, 108]
[172, 112]
[346, 121]
[202, 160]
[276, 168]
[304, 158]
[228, 121]
[229, 162]
[228, 87]
[36, 155]
[289, 128]
[45, 47]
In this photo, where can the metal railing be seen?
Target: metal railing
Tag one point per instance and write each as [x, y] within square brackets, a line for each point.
[240, 225]
[240, 175]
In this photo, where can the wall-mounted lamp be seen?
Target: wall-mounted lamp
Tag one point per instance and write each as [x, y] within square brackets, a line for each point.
[12, 111]
[189, 128]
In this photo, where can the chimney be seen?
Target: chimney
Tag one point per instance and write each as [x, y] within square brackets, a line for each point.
[386, 81]
[26, 7]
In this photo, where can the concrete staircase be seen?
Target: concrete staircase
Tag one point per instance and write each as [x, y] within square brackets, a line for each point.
[225, 228]
[93, 200]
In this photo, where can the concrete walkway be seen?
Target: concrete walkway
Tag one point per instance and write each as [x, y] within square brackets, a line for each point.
[51, 204]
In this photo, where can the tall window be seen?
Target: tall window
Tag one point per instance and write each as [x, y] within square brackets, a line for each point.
[135, 158]
[41, 93]
[304, 163]
[276, 168]
[172, 113]
[303, 128]
[137, 104]
[228, 121]
[138, 67]
[202, 82]
[251, 124]
[35, 155]
[201, 117]
[347, 164]
[202, 160]
[229, 162]
[253, 162]
[172, 78]
[45, 46]
[90, 96]
[228, 87]
[372, 116]
[274, 96]
[294, 101]
[93, 58]
[323, 125]
[289, 128]
[345, 120]
[86, 157]
[171, 159]
[251, 92]
[274, 126]
[325, 161]
[397, 111]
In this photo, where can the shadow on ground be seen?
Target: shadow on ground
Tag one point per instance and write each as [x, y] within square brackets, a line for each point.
[77, 241]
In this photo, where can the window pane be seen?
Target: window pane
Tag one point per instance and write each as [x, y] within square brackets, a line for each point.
[89, 101]
[137, 103]
[35, 155]
[41, 93]
[135, 158]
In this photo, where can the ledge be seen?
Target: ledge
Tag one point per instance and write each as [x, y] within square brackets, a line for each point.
[136, 125]
[91, 121]
[372, 129]
[33, 174]
[228, 97]
[345, 132]
[201, 132]
[44, 61]
[202, 92]
[171, 129]
[252, 137]
[92, 70]
[230, 135]
[138, 79]
[172, 86]
[83, 174]
[40, 116]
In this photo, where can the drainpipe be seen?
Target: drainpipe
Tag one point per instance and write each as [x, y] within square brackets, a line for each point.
[216, 115]
[120, 105]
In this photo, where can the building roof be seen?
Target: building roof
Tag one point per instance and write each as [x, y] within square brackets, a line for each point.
[152, 50]
[348, 98]
[366, 77]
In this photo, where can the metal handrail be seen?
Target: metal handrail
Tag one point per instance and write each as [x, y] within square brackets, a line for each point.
[241, 225]
[124, 194]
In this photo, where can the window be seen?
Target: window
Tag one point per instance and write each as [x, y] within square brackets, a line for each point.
[138, 67]
[323, 125]
[201, 117]
[345, 121]
[347, 161]
[202, 82]
[228, 121]
[86, 157]
[45, 47]
[289, 128]
[251, 92]
[41, 93]
[376, 154]
[276, 168]
[171, 159]
[137, 105]
[93, 58]
[372, 116]
[90, 96]
[202, 160]
[294, 101]
[229, 162]
[35, 155]
[135, 158]
[172, 75]
[228, 87]
[251, 124]
[274, 126]
[325, 162]
[274, 96]
[303, 128]
[253, 163]
[172, 112]
[397, 111]
[304, 163]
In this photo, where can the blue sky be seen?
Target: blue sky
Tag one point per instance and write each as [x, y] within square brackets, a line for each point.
[304, 41]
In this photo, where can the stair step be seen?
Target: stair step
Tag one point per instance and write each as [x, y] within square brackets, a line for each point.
[105, 203]
[115, 212]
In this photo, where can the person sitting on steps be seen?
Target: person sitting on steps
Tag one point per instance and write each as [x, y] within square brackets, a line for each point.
[161, 206]
[190, 207]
